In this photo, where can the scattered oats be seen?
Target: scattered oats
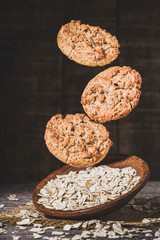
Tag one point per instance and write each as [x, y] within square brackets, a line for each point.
[112, 234]
[57, 233]
[85, 224]
[16, 237]
[87, 188]
[148, 235]
[2, 230]
[37, 225]
[157, 233]
[50, 227]
[86, 234]
[1, 205]
[22, 227]
[90, 222]
[26, 213]
[106, 227]
[23, 213]
[129, 235]
[77, 237]
[50, 238]
[133, 230]
[29, 203]
[146, 231]
[35, 215]
[66, 233]
[35, 235]
[139, 229]
[67, 227]
[77, 225]
[100, 233]
[146, 220]
[98, 225]
[55, 238]
[117, 227]
[132, 235]
[37, 230]
[13, 197]
[26, 221]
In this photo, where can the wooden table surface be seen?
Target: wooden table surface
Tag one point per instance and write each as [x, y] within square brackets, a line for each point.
[24, 193]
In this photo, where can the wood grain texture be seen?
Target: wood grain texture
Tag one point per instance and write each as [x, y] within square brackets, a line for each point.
[32, 85]
[38, 81]
[115, 161]
[139, 133]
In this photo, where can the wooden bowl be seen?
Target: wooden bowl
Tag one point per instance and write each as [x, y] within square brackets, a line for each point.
[115, 161]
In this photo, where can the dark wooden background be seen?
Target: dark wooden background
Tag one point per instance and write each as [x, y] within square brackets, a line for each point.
[38, 81]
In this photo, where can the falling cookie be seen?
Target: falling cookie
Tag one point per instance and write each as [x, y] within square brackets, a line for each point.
[76, 140]
[87, 45]
[112, 94]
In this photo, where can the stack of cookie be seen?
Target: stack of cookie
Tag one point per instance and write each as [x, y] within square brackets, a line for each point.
[77, 139]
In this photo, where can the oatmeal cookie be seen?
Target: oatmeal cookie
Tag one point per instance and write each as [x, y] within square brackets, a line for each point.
[76, 140]
[87, 45]
[112, 94]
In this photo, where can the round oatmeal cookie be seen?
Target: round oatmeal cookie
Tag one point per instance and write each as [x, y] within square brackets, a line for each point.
[76, 140]
[87, 45]
[112, 94]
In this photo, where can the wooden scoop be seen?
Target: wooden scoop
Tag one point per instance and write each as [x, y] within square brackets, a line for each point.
[115, 161]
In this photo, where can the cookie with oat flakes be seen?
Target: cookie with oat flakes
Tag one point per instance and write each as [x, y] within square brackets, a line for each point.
[76, 140]
[87, 45]
[112, 94]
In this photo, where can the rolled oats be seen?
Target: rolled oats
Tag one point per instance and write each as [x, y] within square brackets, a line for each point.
[77, 237]
[57, 233]
[157, 233]
[35, 235]
[13, 197]
[25, 221]
[21, 227]
[148, 235]
[2, 230]
[37, 230]
[67, 227]
[77, 225]
[88, 188]
[16, 237]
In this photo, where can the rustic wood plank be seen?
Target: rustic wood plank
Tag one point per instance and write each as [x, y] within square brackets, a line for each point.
[32, 84]
[139, 133]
